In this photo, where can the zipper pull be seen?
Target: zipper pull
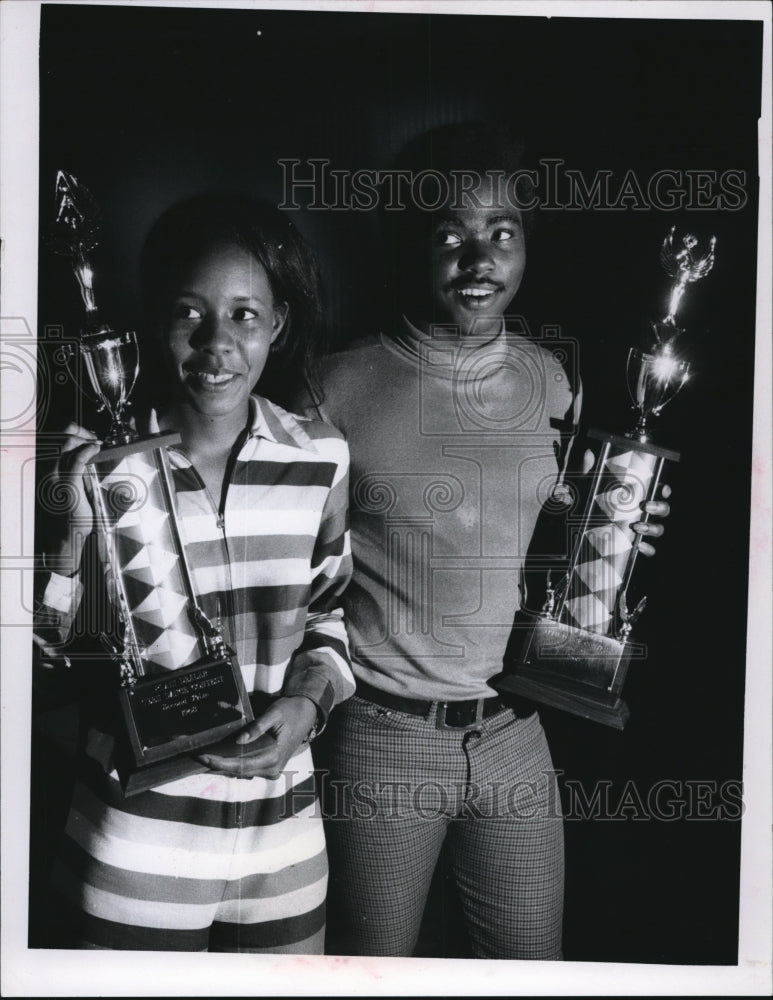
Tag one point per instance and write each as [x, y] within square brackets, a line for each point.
[221, 522]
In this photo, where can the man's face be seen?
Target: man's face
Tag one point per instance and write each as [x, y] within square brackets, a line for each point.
[476, 262]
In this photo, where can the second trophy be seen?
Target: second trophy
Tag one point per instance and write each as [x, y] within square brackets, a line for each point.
[575, 653]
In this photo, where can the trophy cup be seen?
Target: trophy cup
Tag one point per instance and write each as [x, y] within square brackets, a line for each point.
[179, 685]
[575, 652]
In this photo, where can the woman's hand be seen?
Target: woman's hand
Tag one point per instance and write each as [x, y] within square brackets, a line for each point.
[72, 518]
[288, 720]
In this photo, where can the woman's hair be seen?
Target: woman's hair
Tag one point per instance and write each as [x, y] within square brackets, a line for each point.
[192, 227]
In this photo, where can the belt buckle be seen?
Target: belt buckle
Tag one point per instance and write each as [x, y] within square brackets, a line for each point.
[474, 711]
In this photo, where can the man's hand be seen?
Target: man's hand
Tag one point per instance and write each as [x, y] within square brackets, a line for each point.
[655, 508]
[648, 529]
[288, 720]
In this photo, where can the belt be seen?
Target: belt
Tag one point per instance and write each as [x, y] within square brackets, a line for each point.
[450, 714]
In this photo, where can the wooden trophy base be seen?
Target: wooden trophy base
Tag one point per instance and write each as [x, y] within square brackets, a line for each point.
[578, 699]
[572, 670]
[171, 716]
[150, 776]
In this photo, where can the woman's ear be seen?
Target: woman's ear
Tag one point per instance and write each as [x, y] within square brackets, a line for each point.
[281, 310]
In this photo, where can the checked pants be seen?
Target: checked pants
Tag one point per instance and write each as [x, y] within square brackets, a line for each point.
[399, 787]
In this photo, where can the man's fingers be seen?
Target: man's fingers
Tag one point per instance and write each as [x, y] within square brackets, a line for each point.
[649, 528]
[657, 507]
[646, 549]
[588, 459]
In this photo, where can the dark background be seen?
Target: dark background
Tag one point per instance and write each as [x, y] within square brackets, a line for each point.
[147, 105]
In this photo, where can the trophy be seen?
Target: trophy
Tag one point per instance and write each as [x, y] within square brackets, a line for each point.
[576, 651]
[179, 685]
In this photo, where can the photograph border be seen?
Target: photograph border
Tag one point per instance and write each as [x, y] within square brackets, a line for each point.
[27, 972]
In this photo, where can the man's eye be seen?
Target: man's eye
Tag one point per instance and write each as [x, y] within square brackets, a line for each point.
[243, 314]
[183, 311]
[447, 239]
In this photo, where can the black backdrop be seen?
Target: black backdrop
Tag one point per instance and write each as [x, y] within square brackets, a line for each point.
[146, 105]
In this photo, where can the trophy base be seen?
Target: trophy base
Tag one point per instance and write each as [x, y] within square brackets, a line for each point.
[570, 669]
[171, 715]
[577, 699]
[143, 779]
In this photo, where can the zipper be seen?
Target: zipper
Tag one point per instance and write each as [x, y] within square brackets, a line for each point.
[229, 471]
[227, 613]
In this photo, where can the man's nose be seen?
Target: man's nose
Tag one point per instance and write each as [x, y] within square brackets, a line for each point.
[213, 334]
[476, 257]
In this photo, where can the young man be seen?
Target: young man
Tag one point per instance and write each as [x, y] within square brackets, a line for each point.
[458, 431]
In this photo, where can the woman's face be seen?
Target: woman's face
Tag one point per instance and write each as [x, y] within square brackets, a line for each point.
[222, 320]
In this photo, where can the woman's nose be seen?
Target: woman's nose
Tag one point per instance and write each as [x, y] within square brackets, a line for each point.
[213, 334]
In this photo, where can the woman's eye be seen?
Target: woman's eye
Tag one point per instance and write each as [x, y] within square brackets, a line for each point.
[447, 239]
[183, 311]
[244, 314]
[501, 235]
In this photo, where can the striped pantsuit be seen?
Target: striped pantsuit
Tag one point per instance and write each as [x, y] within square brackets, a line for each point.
[205, 863]
[399, 788]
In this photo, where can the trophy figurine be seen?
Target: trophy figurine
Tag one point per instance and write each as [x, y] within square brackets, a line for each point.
[575, 653]
[179, 685]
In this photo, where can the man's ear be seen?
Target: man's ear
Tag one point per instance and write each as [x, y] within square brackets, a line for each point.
[281, 310]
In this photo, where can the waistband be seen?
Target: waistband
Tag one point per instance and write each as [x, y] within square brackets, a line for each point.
[450, 714]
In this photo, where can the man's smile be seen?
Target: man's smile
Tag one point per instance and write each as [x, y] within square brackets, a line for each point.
[475, 295]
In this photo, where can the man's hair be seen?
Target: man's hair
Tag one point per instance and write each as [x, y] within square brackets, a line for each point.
[471, 148]
[192, 227]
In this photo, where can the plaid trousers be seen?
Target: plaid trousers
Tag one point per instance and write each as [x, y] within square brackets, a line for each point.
[398, 788]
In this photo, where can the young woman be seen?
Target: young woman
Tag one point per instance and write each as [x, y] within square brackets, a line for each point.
[232, 859]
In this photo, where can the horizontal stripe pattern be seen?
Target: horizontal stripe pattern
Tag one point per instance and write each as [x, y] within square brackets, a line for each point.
[276, 564]
[207, 803]
[163, 847]
[209, 861]
[263, 887]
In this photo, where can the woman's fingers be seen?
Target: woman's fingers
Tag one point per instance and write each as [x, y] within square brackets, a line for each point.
[75, 436]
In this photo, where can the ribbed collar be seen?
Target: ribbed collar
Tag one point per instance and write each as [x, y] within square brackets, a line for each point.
[430, 350]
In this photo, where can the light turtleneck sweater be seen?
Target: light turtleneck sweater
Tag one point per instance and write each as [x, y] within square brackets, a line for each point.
[455, 445]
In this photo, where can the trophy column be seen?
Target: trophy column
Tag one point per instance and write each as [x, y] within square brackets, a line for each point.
[575, 653]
